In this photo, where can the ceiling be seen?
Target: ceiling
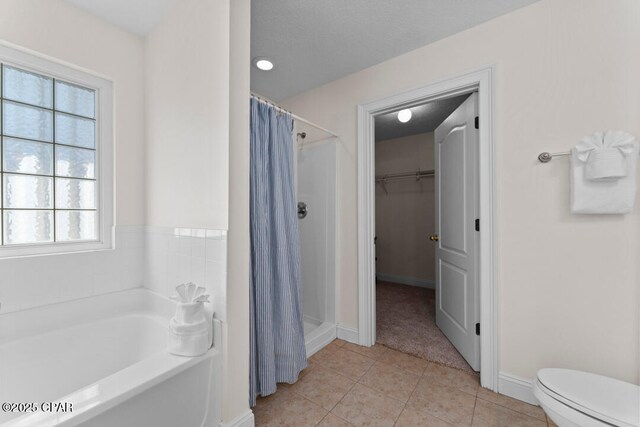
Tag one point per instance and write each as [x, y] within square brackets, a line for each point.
[424, 118]
[314, 42]
[137, 16]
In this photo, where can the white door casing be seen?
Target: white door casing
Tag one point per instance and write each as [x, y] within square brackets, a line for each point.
[480, 80]
[455, 146]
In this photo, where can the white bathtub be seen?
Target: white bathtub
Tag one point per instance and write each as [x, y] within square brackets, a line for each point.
[105, 359]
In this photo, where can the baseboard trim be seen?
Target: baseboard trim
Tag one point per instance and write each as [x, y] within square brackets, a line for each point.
[244, 420]
[515, 387]
[319, 338]
[348, 334]
[411, 281]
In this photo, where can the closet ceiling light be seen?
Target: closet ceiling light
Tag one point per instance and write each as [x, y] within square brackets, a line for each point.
[264, 64]
[404, 115]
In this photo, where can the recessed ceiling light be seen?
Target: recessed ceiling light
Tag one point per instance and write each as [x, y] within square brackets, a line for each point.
[262, 63]
[404, 115]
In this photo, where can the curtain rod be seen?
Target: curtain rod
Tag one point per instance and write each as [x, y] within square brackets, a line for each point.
[295, 116]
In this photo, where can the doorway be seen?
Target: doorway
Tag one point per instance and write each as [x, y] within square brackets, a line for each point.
[426, 298]
[479, 82]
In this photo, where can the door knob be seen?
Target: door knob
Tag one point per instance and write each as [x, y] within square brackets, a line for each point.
[434, 238]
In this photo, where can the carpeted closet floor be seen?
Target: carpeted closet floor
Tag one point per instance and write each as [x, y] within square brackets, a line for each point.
[406, 321]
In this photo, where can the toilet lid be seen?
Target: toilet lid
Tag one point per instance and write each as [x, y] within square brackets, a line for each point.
[607, 399]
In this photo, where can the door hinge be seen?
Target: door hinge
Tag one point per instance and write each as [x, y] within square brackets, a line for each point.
[477, 224]
[477, 328]
[477, 122]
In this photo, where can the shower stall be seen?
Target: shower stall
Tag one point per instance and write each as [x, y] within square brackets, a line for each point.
[316, 192]
[292, 282]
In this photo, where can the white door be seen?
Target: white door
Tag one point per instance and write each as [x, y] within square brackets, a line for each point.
[457, 311]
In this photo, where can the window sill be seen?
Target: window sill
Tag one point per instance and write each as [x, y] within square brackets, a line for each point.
[26, 251]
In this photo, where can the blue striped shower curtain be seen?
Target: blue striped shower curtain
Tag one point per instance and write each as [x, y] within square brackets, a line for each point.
[277, 334]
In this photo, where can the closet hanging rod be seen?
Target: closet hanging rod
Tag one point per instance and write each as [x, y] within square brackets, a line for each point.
[546, 157]
[295, 116]
[403, 175]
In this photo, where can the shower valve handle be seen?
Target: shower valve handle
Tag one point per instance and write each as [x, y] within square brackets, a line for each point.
[302, 210]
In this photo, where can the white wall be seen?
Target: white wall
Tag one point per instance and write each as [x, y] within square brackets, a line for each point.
[183, 255]
[316, 186]
[28, 282]
[568, 284]
[405, 214]
[65, 33]
[187, 116]
[197, 102]
[235, 403]
[175, 87]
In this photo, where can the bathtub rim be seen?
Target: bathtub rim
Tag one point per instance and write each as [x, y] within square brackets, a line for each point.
[118, 386]
[138, 378]
[31, 322]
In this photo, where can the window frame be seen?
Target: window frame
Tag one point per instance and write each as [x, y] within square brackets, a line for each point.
[12, 55]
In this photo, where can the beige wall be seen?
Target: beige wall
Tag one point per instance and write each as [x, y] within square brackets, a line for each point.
[568, 284]
[187, 116]
[405, 213]
[65, 33]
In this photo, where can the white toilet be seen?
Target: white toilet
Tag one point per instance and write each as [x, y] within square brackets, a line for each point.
[581, 399]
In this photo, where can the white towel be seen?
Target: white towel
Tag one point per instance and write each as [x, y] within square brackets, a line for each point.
[182, 341]
[603, 173]
[190, 331]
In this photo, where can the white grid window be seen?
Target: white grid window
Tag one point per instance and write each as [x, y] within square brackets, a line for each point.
[50, 161]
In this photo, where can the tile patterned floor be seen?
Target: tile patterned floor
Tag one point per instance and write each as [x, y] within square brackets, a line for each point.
[347, 385]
